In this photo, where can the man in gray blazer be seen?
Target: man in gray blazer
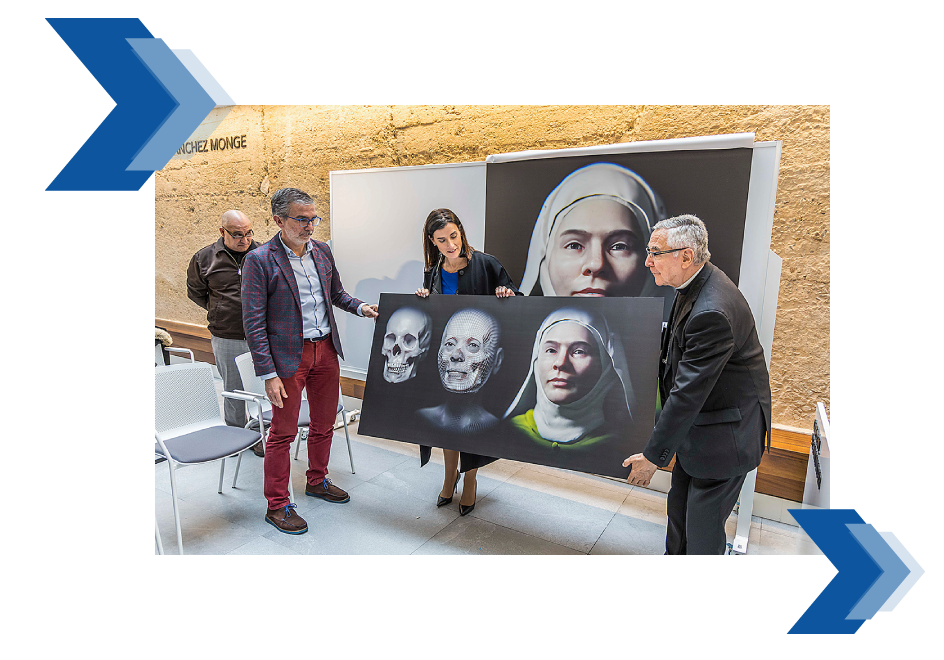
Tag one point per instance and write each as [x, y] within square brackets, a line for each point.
[715, 389]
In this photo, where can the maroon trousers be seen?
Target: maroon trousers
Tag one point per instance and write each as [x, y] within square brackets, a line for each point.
[319, 374]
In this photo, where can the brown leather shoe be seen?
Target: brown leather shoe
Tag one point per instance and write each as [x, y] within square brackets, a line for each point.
[258, 449]
[286, 520]
[328, 492]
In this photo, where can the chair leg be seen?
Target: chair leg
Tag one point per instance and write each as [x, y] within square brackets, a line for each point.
[222, 467]
[238, 461]
[157, 538]
[348, 437]
[298, 442]
[173, 491]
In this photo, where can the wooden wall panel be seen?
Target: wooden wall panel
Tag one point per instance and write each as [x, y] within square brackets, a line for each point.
[782, 471]
[188, 335]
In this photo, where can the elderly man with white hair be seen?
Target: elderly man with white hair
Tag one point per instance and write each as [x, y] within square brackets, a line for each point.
[715, 391]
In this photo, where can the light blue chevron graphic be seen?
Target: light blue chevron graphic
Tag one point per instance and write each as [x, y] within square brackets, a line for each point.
[893, 573]
[915, 571]
[224, 104]
[207, 81]
[193, 104]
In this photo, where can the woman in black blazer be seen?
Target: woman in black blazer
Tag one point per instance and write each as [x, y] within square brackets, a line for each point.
[454, 267]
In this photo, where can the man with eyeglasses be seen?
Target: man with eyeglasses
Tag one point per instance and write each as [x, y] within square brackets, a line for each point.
[290, 287]
[214, 283]
[715, 387]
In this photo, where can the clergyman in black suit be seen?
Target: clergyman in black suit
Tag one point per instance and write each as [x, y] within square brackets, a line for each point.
[715, 387]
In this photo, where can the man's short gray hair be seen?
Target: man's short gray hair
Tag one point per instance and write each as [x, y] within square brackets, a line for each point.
[283, 198]
[686, 231]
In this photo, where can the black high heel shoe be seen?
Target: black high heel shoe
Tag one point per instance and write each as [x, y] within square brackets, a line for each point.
[463, 509]
[443, 501]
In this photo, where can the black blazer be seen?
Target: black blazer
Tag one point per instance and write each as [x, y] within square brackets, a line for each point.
[482, 276]
[714, 382]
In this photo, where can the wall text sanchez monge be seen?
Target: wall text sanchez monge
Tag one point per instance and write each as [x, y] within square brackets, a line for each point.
[214, 144]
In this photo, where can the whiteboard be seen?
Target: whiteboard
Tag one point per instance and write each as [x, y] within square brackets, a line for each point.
[377, 218]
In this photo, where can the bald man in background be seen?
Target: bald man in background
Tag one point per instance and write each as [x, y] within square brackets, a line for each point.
[214, 281]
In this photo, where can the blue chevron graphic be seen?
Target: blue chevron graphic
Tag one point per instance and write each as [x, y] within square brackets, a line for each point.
[158, 103]
[871, 572]
[194, 104]
[893, 574]
[915, 572]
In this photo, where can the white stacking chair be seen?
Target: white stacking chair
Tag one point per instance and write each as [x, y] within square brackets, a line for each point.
[188, 426]
[159, 357]
[157, 530]
[253, 386]
[343, 411]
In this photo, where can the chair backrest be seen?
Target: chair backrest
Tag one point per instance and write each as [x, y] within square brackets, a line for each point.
[160, 355]
[252, 382]
[185, 399]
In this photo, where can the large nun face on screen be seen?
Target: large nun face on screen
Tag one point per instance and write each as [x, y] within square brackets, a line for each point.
[405, 342]
[470, 351]
[578, 387]
[591, 234]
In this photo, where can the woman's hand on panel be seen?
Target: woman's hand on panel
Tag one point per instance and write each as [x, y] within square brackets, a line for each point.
[504, 292]
[422, 293]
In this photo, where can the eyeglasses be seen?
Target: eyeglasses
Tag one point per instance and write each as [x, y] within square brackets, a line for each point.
[659, 253]
[305, 222]
[238, 236]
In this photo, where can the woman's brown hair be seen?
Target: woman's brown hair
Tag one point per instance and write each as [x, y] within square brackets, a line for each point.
[435, 221]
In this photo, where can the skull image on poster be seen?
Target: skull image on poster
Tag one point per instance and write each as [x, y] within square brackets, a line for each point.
[405, 342]
[468, 354]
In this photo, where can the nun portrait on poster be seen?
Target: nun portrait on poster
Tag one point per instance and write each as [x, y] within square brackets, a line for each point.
[590, 236]
[577, 395]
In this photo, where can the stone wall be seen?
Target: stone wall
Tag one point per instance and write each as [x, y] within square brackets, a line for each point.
[298, 145]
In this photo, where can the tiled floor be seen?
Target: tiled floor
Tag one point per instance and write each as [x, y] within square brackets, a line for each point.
[520, 509]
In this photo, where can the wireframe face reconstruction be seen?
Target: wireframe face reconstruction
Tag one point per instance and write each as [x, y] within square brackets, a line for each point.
[406, 341]
[470, 351]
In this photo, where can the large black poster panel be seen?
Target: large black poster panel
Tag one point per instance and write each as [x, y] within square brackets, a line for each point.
[579, 225]
[564, 382]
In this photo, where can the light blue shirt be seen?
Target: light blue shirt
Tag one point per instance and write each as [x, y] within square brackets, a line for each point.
[315, 323]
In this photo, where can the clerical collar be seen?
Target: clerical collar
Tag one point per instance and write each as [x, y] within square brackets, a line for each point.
[684, 287]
